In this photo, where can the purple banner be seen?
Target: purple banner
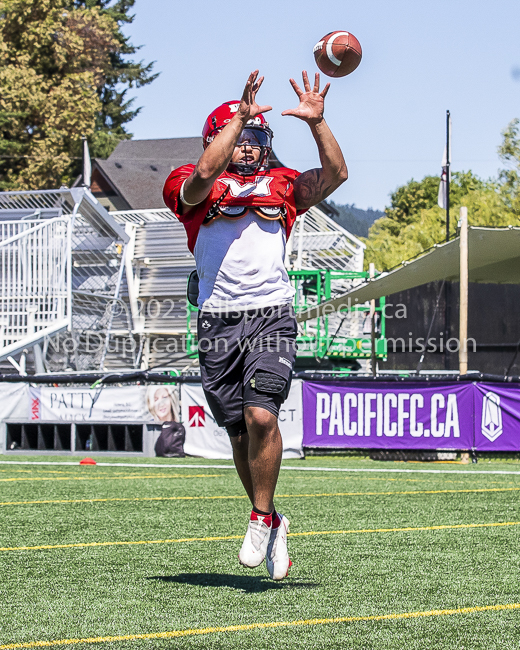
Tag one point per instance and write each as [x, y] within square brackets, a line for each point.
[388, 415]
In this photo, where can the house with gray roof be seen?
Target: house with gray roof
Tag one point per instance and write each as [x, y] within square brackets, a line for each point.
[133, 176]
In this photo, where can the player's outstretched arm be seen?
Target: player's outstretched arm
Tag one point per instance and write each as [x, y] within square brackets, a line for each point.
[218, 154]
[314, 185]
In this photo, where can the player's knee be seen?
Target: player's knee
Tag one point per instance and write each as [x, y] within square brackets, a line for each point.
[259, 419]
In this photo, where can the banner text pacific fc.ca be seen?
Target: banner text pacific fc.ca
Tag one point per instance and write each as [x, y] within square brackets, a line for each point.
[387, 414]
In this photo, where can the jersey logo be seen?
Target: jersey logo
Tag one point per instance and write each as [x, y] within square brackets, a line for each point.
[259, 187]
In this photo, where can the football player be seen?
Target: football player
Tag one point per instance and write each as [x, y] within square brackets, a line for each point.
[238, 214]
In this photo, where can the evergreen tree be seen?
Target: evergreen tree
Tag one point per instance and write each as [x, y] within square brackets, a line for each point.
[61, 69]
[122, 74]
[355, 220]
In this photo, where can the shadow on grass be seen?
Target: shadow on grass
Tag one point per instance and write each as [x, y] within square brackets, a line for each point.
[247, 584]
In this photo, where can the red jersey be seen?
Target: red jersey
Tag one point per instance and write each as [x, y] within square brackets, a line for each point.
[272, 190]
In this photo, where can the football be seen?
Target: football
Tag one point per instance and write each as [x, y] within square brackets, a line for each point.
[338, 54]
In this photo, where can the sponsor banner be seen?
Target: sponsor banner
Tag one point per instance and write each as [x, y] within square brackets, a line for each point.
[497, 417]
[206, 439]
[357, 415]
[388, 415]
[14, 401]
[290, 421]
[114, 404]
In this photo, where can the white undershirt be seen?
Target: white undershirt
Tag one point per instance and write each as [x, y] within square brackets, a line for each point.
[240, 263]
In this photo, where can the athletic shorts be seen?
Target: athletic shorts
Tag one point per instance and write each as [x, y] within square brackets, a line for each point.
[246, 359]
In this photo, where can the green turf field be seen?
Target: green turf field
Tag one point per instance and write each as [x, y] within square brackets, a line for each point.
[137, 557]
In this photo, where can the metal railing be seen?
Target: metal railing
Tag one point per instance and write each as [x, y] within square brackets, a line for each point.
[318, 242]
[9, 229]
[61, 266]
[106, 286]
[141, 217]
[35, 298]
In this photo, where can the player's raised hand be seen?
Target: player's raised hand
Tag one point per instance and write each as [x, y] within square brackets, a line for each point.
[248, 108]
[311, 101]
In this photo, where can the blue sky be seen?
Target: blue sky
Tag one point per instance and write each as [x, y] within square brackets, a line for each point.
[419, 59]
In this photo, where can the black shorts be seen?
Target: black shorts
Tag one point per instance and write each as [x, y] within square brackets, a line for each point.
[246, 359]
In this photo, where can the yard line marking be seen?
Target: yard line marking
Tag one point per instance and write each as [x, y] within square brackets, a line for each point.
[243, 496]
[362, 478]
[401, 530]
[222, 538]
[27, 471]
[130, 543]
[283, 467]
[394, 470]
[23, 503]
[263, 626]
[104, 478]
[400, 492]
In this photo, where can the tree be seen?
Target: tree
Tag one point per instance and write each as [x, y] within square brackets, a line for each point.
[354, 219]
[509, 152]
[116, 109]
[60, 63]
[414, 223]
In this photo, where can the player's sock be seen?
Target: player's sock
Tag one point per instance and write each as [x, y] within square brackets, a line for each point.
[266, 516]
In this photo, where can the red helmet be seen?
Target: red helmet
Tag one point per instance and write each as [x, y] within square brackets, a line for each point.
[256, 132]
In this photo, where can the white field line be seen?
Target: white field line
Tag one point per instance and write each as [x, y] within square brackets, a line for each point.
[283, 467]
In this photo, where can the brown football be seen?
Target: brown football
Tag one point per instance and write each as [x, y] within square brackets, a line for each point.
[338, 54]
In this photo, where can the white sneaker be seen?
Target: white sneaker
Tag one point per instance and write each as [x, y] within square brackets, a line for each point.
[277, 558]
[254, 546]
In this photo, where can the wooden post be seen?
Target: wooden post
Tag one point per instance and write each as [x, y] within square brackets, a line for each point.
[372, 273]
[463, 318]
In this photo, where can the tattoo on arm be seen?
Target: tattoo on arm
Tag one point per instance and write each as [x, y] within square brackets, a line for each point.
[310, 188]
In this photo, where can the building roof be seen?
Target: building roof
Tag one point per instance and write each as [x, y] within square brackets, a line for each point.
[137, 169]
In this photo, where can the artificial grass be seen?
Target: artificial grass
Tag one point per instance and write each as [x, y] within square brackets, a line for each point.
[142, 589]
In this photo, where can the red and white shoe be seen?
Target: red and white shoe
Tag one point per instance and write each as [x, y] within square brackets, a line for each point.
[254, 546]
[277, 558]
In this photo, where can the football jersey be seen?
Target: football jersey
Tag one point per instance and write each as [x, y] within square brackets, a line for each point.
[238, 237]
[272, 190]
